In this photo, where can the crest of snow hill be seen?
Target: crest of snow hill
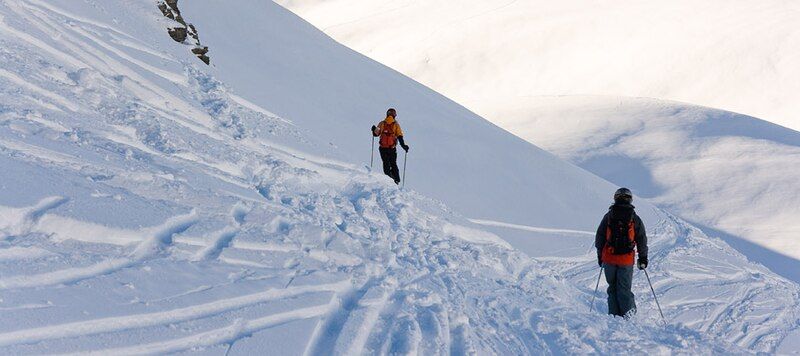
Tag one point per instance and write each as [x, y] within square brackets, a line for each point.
[151, 204]
[575, 80]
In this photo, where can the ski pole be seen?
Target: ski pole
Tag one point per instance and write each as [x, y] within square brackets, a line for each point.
[372, 153]
[404, 170]
[591, 306]
[654, 296]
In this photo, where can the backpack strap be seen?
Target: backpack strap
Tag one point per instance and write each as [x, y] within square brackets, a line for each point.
[632, 225]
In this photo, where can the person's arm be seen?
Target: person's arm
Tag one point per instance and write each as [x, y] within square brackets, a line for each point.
[402, 143]
[376, 130]
[641, 241]
[398, 131]
[600, 239]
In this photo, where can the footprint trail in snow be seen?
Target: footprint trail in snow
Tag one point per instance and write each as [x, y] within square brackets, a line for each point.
[170, 215]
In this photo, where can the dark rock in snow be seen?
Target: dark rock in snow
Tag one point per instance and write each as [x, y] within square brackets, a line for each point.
[177, 33]
[169, 8]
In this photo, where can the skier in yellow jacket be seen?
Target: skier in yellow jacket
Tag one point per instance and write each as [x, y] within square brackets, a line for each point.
[390, 134]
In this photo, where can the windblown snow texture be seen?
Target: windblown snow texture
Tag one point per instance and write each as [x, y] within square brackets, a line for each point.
[147, 206]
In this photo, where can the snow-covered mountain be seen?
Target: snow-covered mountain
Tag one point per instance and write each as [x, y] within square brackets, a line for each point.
[150, 203]
[514, 63]
[719, 169]
[738, 56]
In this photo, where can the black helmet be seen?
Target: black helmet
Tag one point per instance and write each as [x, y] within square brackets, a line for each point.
[623, 195]
[391, 112]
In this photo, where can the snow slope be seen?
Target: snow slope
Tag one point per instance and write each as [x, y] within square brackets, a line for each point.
[335, 95]
[513, 63]
[735, 55]
[148, 206]
[722, 170]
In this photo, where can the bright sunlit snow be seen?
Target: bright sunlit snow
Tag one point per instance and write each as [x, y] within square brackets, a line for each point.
[556, 74]
[722, 170]
[151, 204]
[738, 56]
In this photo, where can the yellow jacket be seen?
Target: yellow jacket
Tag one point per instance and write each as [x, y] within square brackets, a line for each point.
[397, 131]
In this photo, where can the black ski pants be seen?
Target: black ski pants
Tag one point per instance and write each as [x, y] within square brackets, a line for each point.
[389, 158]
[620, 296]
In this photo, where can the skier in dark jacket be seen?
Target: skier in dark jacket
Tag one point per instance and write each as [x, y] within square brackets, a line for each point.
[390, 134]
[621, 233]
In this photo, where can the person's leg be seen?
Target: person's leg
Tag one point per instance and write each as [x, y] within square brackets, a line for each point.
[395, 172]
[625, 297]
[386, 159]
[611, 277]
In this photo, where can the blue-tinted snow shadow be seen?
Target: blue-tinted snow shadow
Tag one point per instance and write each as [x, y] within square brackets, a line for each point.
[781, 264]
[625, 171]
[724, 123]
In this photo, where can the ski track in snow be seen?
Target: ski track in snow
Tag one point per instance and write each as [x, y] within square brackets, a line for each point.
[91, 327]
[223, 238]
[530, 228]
[19, 221]
[149, 247]
[701, 294]
[220, 336]
[279, 236]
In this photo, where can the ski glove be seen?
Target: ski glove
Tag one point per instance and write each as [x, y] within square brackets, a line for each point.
[600, 260]
[642, 263]
[405, 147]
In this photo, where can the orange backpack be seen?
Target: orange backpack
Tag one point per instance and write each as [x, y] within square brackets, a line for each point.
[388, 139]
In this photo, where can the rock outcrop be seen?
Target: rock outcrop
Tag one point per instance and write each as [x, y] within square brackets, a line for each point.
[183, 30]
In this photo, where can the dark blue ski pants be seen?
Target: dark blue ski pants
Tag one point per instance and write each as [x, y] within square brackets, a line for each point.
[620, 296]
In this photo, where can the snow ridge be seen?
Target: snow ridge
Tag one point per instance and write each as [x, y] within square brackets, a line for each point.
[186, 225]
